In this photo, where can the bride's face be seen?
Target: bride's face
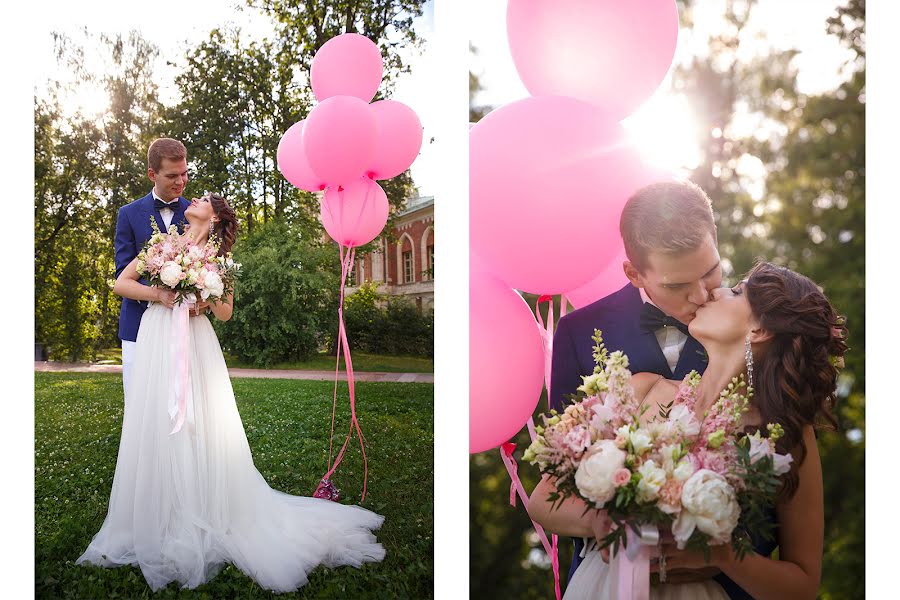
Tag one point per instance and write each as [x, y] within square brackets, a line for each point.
[726, 317]
[200, 209]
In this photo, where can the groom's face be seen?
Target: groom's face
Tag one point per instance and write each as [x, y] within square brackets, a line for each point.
[171, 178]
[680, 283]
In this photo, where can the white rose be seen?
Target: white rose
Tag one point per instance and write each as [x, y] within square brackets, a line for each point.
[192, 276]
[195, 252]
[709, 504]
[594, 476]
[652, 478]
[213, 284]
[170, 273]
[641, 440]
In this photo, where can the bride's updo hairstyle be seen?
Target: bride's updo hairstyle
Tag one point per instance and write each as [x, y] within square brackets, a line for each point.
[795, 381]
[227, 226]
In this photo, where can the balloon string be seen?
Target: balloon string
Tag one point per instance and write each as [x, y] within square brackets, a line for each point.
[550, 547]
[346, 263]
[547, 339]
[338, 357]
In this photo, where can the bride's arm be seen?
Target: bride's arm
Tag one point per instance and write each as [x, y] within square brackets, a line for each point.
[572, 518]
[222, 309]
[128, 286]
[801, 521]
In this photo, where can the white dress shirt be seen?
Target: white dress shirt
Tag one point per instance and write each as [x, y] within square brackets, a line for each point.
[166, 213]
[671, 339]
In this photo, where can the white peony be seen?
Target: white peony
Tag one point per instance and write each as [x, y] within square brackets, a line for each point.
[652, 479]
[710, 505]
[594, 476]
[170, 273]
[213, 285]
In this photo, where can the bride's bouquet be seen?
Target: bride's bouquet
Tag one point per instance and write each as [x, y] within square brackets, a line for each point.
[176, 262]
[707, 481]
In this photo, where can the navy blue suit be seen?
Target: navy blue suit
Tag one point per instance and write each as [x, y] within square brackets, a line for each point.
[617, 316]
[133, 230]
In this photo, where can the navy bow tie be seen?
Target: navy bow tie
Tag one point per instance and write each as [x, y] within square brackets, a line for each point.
[652, 319]
[159, 204]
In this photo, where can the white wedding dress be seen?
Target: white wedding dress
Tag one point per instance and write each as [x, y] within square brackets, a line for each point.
[183, 505]
[595, 579]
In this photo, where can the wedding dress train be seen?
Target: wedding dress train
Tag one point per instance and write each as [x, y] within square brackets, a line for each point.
[184, 505]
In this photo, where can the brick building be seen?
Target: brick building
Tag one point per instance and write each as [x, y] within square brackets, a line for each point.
[405, 267]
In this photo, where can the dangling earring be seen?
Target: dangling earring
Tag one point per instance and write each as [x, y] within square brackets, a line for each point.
[211, 229]
[748, 357]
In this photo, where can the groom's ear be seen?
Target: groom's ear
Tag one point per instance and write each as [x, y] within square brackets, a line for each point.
[633, 275]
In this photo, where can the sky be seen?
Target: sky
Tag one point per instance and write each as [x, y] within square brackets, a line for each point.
[664, 127]
[174, 26]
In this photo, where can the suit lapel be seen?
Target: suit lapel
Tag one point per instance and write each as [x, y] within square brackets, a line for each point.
[692, 358]
[178, 218]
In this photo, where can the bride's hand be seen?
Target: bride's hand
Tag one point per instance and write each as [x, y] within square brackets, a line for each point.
[601, 525]
[166, 297]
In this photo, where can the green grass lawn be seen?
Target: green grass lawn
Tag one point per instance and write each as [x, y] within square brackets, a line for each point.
[321, 362]
[78, 420]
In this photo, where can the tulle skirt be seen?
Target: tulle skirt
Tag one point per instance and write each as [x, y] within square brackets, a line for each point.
[594, 580]
[184, 505]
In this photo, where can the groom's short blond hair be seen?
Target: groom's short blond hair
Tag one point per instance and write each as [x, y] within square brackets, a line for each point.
[164, 148]
[667, 218]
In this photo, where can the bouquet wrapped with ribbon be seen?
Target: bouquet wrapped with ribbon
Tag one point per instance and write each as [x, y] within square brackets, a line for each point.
[661, 467]
[194, 272]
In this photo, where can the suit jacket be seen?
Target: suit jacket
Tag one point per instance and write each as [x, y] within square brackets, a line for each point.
[133, 230]
[617, 316]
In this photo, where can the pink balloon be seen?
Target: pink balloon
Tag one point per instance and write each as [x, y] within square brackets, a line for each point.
[610, 279]
[292, 160]
[548, 177]
[611, 53]
[355, 214]
[399, 138]
[347, 65]
[506, 361]
[339, 139]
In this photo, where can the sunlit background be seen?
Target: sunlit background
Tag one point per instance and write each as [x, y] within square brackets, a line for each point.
[764, 108]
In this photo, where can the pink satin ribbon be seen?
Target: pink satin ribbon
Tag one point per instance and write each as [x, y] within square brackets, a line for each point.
[633, 564]
[506, 454]
[180, 408]
[342, 345]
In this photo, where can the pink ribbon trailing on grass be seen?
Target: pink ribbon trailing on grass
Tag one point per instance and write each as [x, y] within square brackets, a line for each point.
[180, 403]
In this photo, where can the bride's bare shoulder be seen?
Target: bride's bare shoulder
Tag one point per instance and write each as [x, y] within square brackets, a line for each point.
[645, 383]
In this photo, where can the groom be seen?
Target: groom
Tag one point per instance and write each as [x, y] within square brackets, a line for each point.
[670, 240]
[167, 169]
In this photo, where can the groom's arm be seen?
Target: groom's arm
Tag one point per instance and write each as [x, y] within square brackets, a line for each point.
[124, 242]
[564, 374]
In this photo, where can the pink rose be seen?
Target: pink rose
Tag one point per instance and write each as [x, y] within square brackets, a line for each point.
[621, 477]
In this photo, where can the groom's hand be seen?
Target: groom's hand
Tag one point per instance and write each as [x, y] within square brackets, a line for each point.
[166, 297]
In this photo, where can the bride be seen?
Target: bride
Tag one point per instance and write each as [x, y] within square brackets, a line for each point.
[183, 505]
[794, 340]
